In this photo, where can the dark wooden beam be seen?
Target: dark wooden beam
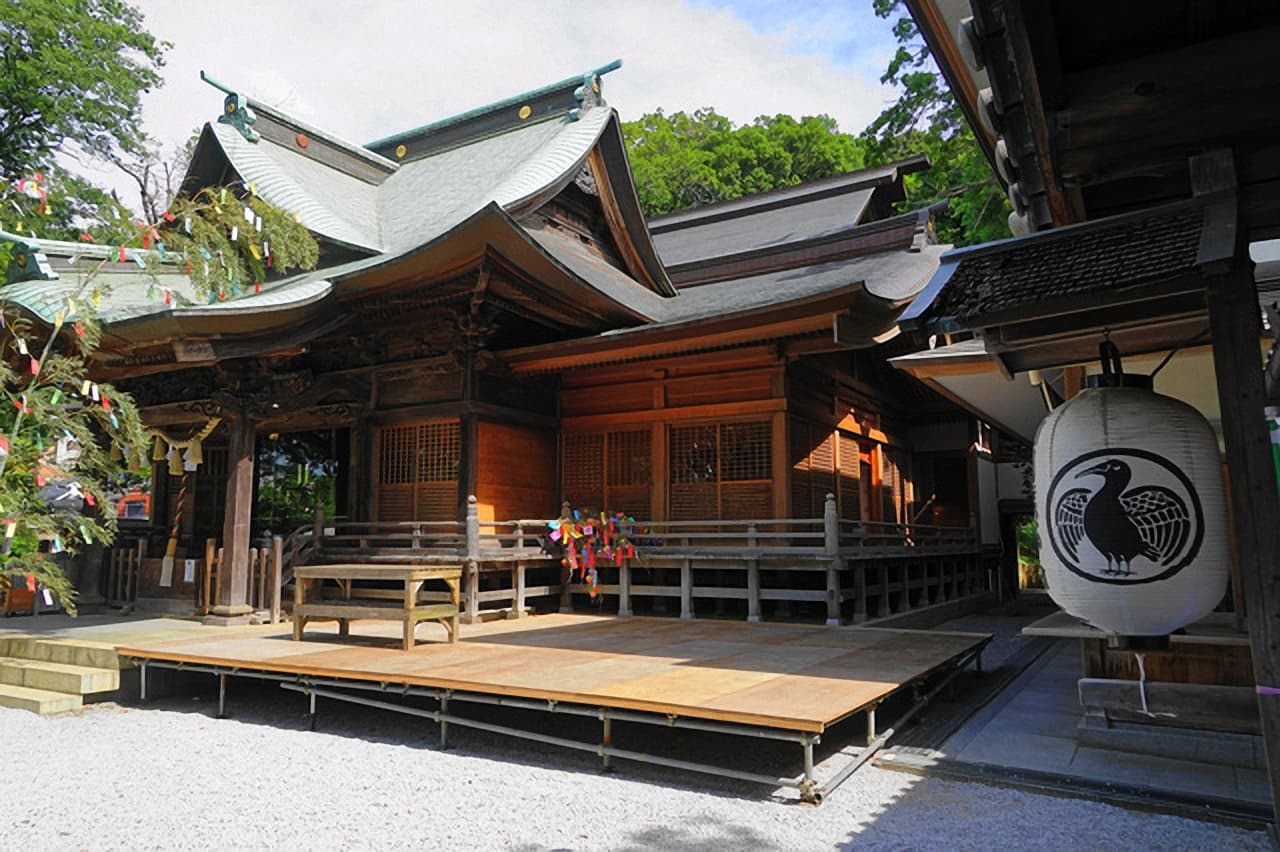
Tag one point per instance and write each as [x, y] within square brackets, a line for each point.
[1255, 500]
[1173, 104]
[1028, 29]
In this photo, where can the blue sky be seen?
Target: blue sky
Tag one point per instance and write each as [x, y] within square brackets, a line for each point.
[848, 32]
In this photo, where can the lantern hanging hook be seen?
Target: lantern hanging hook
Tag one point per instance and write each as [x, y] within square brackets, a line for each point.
[1112, 370]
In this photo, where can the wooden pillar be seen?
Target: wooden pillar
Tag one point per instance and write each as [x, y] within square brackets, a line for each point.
[468, 458]
[1255, 502]
[233, 578]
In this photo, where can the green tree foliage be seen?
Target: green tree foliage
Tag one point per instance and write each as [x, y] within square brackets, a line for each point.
[71, 209]
[72, 73]
[295, 472]
[926, 119]
[687, 160]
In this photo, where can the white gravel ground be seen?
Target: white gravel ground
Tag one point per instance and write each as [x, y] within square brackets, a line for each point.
[169, 776]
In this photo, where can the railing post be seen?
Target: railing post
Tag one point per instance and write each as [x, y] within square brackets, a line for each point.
[753, 575]
[277, 575]
[884, 608]
[859, 590]
[473, 560]
[566, 578]
[317, 524]
[624, 587]
[686, 589]
[217, 575]
[250, 576]
[831, 545]
[830, 527]
[518, 576]
[210, 553]
[518, 609]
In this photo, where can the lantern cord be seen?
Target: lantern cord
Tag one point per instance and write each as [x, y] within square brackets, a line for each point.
[1142, 683]
[1142, 689]
[1174, 351]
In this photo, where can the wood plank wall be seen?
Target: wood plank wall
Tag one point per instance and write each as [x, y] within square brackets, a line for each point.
[813, 417]
[515, 472]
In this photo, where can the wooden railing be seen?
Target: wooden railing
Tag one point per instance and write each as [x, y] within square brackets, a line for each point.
[263, 582]
[124, 566]
[854, 570]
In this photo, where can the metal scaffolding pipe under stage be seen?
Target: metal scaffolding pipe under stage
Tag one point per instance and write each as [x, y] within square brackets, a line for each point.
[774, 681]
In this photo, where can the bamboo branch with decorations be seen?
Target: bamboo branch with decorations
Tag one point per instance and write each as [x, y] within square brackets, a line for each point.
[231, 240]
[63, 437]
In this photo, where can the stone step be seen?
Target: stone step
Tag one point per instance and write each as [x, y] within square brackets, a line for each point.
[74, 652]
[57, 677]
[40, 701]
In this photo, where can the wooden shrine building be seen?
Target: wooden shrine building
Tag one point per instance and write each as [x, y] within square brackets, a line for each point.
[492, 317]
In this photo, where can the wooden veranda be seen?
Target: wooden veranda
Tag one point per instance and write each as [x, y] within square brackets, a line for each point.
[842, 571]
[787, 682]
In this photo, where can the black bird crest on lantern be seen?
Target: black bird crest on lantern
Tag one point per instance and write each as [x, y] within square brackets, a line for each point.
[1109, 532]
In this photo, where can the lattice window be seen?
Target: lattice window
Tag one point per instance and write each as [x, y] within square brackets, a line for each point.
[439, 451]
[418, 471]
[694, 455]
[396, 453]
[629, 472]
[583, 474]
[609, 470]
[721, 471]
[745, 451]
[629, 458]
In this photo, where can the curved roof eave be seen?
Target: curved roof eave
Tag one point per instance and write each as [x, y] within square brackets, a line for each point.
[622, 188]
[274, 308]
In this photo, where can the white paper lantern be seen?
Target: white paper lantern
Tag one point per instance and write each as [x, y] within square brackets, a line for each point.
[1131, 510]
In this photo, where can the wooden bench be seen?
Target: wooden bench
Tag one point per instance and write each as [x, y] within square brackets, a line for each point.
[408, 609]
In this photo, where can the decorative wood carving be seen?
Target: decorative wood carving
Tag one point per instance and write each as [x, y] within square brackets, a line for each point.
[180, 386]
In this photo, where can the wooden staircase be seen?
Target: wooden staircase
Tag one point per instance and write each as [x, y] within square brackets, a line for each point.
[48, 676]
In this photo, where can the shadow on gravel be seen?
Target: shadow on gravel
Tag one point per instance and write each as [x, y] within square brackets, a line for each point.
[263, 703]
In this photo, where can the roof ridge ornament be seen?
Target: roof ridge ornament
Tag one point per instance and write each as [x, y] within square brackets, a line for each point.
[235, 110]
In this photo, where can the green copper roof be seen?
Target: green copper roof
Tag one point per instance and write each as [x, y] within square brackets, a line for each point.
[506, 104]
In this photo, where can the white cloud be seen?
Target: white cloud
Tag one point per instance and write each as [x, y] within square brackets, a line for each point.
[364, 70]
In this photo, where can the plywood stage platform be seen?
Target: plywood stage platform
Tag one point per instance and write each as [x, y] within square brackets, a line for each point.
[791, 677]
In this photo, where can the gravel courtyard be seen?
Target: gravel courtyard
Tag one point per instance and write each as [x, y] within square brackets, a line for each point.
[170, 776]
